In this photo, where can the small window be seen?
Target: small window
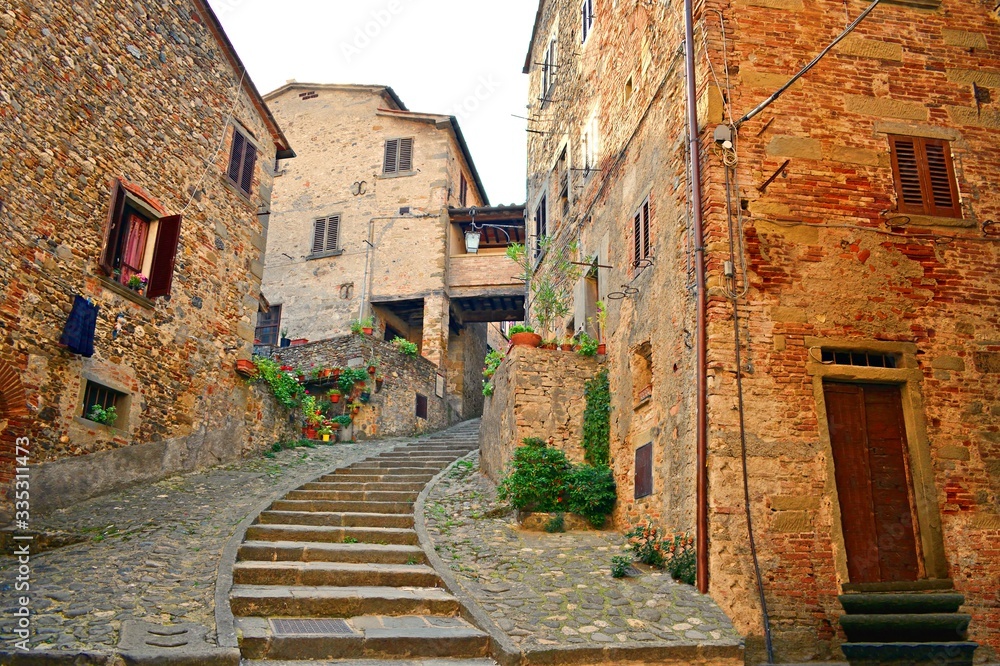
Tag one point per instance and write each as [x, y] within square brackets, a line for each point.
[587, 15]
[326, 235]
[105, 398]
[640, 236]
[589, 141]
[463, 190]
[562, 169]
[644, 471]
[541, 224]
[242, 159]
[268, 324]
[863, 359]
[924, 176]
[398, 156]
[549, 71]
[421, 406]
[642, 374]
[140, 243]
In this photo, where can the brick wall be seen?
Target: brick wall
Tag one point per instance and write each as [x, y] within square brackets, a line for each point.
[391, 411]
[537, 393]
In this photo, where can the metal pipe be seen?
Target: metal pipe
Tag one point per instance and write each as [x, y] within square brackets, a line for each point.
[701, 539]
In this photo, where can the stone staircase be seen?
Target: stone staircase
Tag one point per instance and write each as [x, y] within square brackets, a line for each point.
[333, 570]
[904, 624]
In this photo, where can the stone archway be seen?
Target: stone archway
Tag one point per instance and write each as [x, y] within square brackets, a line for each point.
[14, 421]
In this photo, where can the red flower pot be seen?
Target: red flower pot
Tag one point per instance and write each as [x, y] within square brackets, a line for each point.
[366, 330]
[525, 339]
[371, 369]
[246, 368]
[310, 433]
[602, 348]
[336, 373]
[566, 347]
[335, 398]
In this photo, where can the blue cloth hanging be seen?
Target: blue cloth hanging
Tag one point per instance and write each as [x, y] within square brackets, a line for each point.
[78, 335]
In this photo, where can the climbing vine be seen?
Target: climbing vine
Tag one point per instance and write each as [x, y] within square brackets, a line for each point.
[286, 389]
[597, 420]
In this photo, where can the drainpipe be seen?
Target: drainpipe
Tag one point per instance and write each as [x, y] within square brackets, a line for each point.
[701, 535]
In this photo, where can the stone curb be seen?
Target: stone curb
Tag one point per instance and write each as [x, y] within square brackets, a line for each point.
[220, 657]
[506, 653]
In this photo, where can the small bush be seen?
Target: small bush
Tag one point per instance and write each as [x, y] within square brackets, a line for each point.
[556, 523]
[537, 478]
[620, 564]
[591, 493]
[675, 553]
[405, 346]
[520, 328]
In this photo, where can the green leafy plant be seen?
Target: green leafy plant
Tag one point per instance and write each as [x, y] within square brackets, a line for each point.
[591, 493]
[675, 552]
[602, 320]
[556, 523]
[405, 346]
[350, 539]
[310, 410]
[286, 390]
[488, 388]
[358, 325]
[597, 420]
[520, 328]
[537, 478]
[106, 416]
[492, 361]
[620, 565]
[588, 345]
[349, 377]
[343, 419]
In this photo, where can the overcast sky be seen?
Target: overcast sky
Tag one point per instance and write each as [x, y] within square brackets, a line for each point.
[457, 57]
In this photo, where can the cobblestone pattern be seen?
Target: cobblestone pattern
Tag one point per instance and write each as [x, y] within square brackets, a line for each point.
[550, 590]
[151, 552]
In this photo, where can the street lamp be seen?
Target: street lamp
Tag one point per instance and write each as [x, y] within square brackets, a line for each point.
[473, 235]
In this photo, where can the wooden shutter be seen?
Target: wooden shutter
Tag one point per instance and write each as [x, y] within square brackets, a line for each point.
[644, 470]
[941, 179]
[463, 190]
[113, 228]
[924, 176]
[249, 161]
[391, 155]
[645, 229]
[421, 406]
[319, 236]
[161, 277]
[405, 155]
[332, 233]
[236, 156]
[637, 237]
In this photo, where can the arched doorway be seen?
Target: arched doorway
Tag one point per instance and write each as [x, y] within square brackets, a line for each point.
[14, 421]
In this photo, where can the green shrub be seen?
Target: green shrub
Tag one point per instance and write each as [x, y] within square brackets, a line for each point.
[591, 493]
[349, 377]
[620, 564]
[556, 523]
[405, 346]
[537, 478]
[675, 553]
[286, 389]
[597, 420]
[588, 345]
[487, 388]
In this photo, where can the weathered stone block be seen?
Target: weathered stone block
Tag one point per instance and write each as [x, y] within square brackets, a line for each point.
[948, 363]
[885, 107]
[871, 48]
[953, 453]
[964, 38]
[795, 146]
[791, 521]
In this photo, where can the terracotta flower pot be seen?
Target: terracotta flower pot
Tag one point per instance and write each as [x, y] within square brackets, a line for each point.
[324, 373]
[335, 398]
[335, 425]
[566, 347]
[310, 433]
[551, 346]
[367, 330]
[602, 348]
[378, 383]
[525, 339]
[336, 373]
[246, 368]
[371, 369]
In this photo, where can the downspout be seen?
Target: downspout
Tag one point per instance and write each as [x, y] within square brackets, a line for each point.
[701, 529]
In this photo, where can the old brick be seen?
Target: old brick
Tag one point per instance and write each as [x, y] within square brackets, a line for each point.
[953, 453]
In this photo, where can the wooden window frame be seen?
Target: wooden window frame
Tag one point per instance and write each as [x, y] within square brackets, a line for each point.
[420, 408]
[323, 248]
[397, 153]
[242, 162]
[160, 245]
[641, 231]
[541, 219]
[267, 326]
[917, 174]
[643, 482]
[549, 66]
[587, 19]
[463, 190]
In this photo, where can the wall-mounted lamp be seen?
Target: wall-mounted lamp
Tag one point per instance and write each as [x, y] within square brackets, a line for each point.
[473, 235]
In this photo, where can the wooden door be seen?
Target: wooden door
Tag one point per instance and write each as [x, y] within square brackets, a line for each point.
[868, 438]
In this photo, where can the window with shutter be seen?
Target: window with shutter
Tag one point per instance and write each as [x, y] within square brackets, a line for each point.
[398, 156]
[640, 235]
[326, 235]
[587, 14]
[463, 191]
[268, 325]
[421, 406]
[242, 159]
[549, 71]
[924, 176]
[644, 470]
[541, 224]
[168, 234]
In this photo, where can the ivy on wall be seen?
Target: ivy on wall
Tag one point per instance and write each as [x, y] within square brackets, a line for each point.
[597, 420]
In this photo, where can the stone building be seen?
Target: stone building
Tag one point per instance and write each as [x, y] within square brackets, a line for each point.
[851, 226]
[134, 147]
[368, 221]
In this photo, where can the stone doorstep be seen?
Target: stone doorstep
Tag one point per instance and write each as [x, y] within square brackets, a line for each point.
[176, 645]
[385, 486]
[901, 602]
[663, 655]
[485, 661]
[353, 574]
[335, 518]
[909, 654]
[371, 637]
[259, 532]
[292, 551]
[353, 496]
[332, 602]
[906, 627]
[375, 478]
[342, 506]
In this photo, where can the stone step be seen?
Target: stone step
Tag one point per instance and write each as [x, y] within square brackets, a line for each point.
[384, 535]
[342, 506]
[401, 466]
[315, 551]
[325, 601]
[353, 495]
[378, 662]
[901, 602]
[377, 637]
[336, 519]
[388, 472]
[386, 485]
[375, 478]
[906, 628]
[421, 456]
[342, 574]
[909, 654]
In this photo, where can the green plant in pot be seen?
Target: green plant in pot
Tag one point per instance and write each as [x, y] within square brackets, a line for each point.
[405, 346]
[104, 415]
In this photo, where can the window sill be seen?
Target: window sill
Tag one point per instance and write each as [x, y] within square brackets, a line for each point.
[127, 293]
[235, 189]
[398, 174]
[324, 255]
[916, 220]
[101, 427]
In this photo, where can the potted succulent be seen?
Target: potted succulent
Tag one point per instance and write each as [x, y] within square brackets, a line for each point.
[524, 336]
[334, 394]
[284, 341]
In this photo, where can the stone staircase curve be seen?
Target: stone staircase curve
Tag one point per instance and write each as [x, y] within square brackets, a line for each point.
[333, 570]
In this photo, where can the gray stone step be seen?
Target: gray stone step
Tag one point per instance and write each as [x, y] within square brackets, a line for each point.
[388, 469]
[901, 602]
[386, 535]
[378, 662]
[297, 551]
[374, 478]
[401, 466]
[373, 637]
[341, 505]
[325, 601]
[351, 484]
[906, 628]
[345, 574]
[353, 495]
[336, 519]
[909, 654]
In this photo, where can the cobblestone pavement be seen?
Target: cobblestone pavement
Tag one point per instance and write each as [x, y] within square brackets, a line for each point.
[151, 552]
[551, 590]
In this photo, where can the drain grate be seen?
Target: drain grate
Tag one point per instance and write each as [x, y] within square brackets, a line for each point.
[334, 627]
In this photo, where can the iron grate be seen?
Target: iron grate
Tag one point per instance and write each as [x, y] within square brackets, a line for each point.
[325, 627]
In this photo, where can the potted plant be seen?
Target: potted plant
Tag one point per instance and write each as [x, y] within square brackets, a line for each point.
[363, 325]
[246, 367]
[355, 407]
[372, 366]
[365, 396]
[566, 344]
[300, 374]
[602, 327]
[379, 380]
[334, 394]
[524, 336]
[405, 346]
[284, 341]
[324, 431]
[346, 432]
[588, 346]
[313, 417]
[335, 372]
[105, 416]
[315, 373]
[137, 283]
[550, 344]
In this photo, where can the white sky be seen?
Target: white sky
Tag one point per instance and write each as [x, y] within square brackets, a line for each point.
[457, 57]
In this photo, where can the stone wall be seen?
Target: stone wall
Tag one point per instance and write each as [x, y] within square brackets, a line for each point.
[391, 411]
[537, 393]
[139, 91]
